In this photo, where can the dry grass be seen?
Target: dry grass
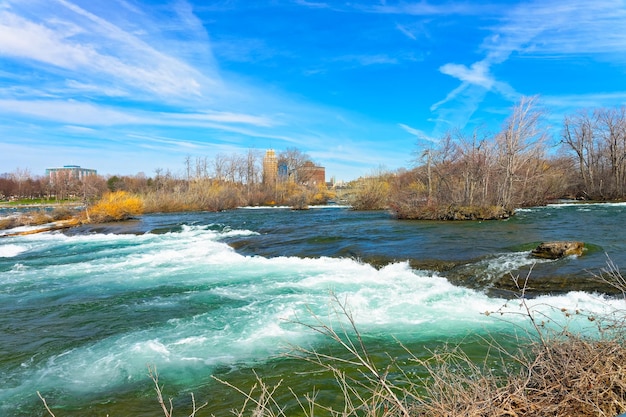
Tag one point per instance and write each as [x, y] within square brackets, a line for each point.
[572, 377]
[9, 223]
[198, 196]
[37, 218]
[115, 206]
[554, 372]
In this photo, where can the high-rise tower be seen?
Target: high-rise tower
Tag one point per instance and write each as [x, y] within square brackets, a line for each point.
[270, 167]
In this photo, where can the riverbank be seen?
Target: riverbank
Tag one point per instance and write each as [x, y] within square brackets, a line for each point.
[28, 218]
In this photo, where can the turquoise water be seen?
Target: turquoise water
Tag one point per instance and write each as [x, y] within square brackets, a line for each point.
[82, 314]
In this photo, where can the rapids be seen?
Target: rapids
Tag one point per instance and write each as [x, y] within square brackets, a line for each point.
[83, 313]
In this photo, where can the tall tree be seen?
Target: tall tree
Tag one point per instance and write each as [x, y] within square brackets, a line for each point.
[612, 127]
[578, 135]
[520, 142]
[473, 153]
[294, 160]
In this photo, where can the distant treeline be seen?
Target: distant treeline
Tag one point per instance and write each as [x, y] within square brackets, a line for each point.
[462, 176]
[480, 175]
[225, 182]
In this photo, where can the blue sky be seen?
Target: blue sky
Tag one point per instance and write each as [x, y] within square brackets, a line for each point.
[128, 86]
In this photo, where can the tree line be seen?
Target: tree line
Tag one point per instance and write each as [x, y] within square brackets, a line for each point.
[475, 175]
[479, 175]
[213, 184]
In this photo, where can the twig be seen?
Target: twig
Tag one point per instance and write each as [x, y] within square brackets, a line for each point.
[154, 375]
[45, 404]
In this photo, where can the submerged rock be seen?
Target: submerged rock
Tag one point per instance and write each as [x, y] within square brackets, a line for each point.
[556, 250]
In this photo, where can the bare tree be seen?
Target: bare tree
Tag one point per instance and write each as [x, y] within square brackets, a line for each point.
[202, 168]
[578, 135]
[473, 153]
[612, 127]
[519, 143]
[65, 185]
[294, 160]
[188, 167]
[220, 166]
[21, 176]
[253, 169]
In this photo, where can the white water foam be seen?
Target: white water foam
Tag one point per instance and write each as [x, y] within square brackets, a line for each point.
[258, 301]
[581, 206]
[321, 206]
[12, 250]
[505, 263]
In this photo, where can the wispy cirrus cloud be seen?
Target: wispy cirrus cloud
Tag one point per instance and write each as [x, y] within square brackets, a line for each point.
[312, 4]
[69, 112]
[406, 31]
[85, 60]
[478, 73]
[229, 117]
[424, 8]
[366, 60]
[418, 133]
[87, 114]
[78, 41]
[557, 28]
[538, 30]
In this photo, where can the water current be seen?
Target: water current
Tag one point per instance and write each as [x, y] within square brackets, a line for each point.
[83, 313]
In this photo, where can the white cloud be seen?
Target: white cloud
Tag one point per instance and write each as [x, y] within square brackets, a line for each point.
[545, 29]
[145, 141]
[424, 8]
[418, 133]
[572, 102]
[406, 31]
[563, 28]
[86, 45]
[312, 4]
[238, 118]
[79, 129]
[25, 39]
[69, 112]
[477, 73]
[100, 89]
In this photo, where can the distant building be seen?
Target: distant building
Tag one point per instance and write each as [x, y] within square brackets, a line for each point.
[270, 167]
[275, 171]
[283, 171]
[311, 174]
[70, 171]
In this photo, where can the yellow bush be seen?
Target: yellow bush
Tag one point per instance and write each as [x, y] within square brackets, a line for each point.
[115, 206]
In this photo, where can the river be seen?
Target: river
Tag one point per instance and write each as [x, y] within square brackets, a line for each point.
[83, 313]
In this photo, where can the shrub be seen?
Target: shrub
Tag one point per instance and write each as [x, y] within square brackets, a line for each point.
[115, 206]
[370, 193]
[8, 223]
[62, 213]
[35, 218]
[438, 212]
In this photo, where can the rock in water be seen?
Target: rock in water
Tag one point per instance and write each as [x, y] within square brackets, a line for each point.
[556, 250]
